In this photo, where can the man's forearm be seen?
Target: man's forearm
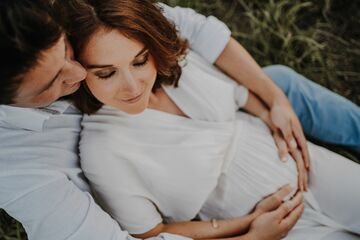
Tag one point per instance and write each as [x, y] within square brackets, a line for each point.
[236, 62]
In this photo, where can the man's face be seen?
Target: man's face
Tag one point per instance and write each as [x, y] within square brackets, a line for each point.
[57, 74]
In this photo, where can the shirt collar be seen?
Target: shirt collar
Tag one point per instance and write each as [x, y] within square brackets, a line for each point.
[32, 119]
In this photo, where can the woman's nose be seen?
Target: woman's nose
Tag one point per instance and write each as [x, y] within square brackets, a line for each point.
[130, 84]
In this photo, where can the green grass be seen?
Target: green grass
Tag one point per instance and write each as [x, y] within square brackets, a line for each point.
[9, 228]
[318, 38]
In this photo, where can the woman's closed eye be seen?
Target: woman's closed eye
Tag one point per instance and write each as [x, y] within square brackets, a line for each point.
[105, 75]
[142, 61]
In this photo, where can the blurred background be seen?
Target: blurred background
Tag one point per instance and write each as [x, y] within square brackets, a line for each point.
[318, 38]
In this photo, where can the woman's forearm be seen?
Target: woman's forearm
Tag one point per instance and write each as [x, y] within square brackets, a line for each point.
[204, 230]
[236, 62]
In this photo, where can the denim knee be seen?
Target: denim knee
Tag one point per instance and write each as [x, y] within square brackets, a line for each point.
[283, 76]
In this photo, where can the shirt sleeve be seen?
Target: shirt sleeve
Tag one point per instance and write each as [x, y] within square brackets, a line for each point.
[50, 206]
[207, 36]
[241, 95]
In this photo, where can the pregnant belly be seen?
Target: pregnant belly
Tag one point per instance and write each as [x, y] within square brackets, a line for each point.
[254, 172]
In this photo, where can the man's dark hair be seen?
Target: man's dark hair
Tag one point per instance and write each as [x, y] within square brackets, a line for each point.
[27, 28]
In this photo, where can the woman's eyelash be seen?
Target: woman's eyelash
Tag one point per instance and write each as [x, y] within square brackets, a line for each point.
[146, 58]
[143, 62]
[107, 76]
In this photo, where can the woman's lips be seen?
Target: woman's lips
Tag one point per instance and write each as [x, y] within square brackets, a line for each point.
[134, 99]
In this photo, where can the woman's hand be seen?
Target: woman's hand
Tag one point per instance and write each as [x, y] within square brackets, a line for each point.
[277, 223]
[272, 201]
[289, 137]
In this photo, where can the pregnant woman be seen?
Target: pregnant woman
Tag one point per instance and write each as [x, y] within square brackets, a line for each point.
[165, 144]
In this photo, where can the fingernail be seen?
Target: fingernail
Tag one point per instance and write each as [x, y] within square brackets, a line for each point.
[284, 159]
[293, 144]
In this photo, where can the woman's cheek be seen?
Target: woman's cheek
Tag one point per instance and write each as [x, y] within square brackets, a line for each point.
[94, 87]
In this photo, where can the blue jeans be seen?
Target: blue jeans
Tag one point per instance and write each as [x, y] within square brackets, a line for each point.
[324, 115]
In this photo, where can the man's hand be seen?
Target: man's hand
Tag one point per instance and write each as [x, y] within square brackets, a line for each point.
[289, 137]
[277, 223]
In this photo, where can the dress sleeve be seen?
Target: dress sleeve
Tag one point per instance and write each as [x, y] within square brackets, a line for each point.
[136, 214]
[117, 184]
[207, 36]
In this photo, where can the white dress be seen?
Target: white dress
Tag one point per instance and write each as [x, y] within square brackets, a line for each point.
[218, 163]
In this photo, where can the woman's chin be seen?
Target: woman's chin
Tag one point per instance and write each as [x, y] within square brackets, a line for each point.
[133, 111]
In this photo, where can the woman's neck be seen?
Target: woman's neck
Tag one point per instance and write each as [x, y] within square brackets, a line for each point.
[162, 102]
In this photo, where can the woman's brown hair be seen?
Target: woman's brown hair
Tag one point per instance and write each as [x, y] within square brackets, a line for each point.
[141, 20]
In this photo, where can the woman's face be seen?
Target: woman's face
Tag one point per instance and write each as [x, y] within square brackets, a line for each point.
[121, 71]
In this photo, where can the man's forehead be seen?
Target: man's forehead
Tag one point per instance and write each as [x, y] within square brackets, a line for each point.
[48, 65]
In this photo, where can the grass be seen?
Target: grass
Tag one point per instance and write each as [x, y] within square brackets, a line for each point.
[9, 228]
[318, 38]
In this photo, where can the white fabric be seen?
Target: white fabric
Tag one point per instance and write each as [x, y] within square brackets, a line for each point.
[41, 183]
[157, 166]
[29, 118]
[199, 29]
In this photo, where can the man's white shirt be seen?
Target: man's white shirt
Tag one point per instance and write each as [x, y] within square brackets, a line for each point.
[41, 182]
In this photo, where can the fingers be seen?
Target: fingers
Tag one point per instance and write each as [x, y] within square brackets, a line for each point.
[286, 127]
[281, 145]
[297, 155]
[277, 198]
[302, 172]
[286, 130]
[289, 206]
[282, 193]
[300, 137]
[289, 222]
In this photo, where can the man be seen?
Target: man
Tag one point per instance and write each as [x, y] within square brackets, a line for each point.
[41, 183]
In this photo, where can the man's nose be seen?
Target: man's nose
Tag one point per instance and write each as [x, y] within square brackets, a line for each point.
[75, 72]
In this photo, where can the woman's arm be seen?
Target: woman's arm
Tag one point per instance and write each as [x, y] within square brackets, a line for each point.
[204, 230]
[266, 218]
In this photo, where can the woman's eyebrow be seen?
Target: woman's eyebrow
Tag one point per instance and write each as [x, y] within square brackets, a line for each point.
[141, 52]
[92, 66]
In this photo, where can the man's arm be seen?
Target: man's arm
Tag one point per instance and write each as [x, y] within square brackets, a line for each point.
[207, 36]
[50, 206]
[211, 39]
[236, 62]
